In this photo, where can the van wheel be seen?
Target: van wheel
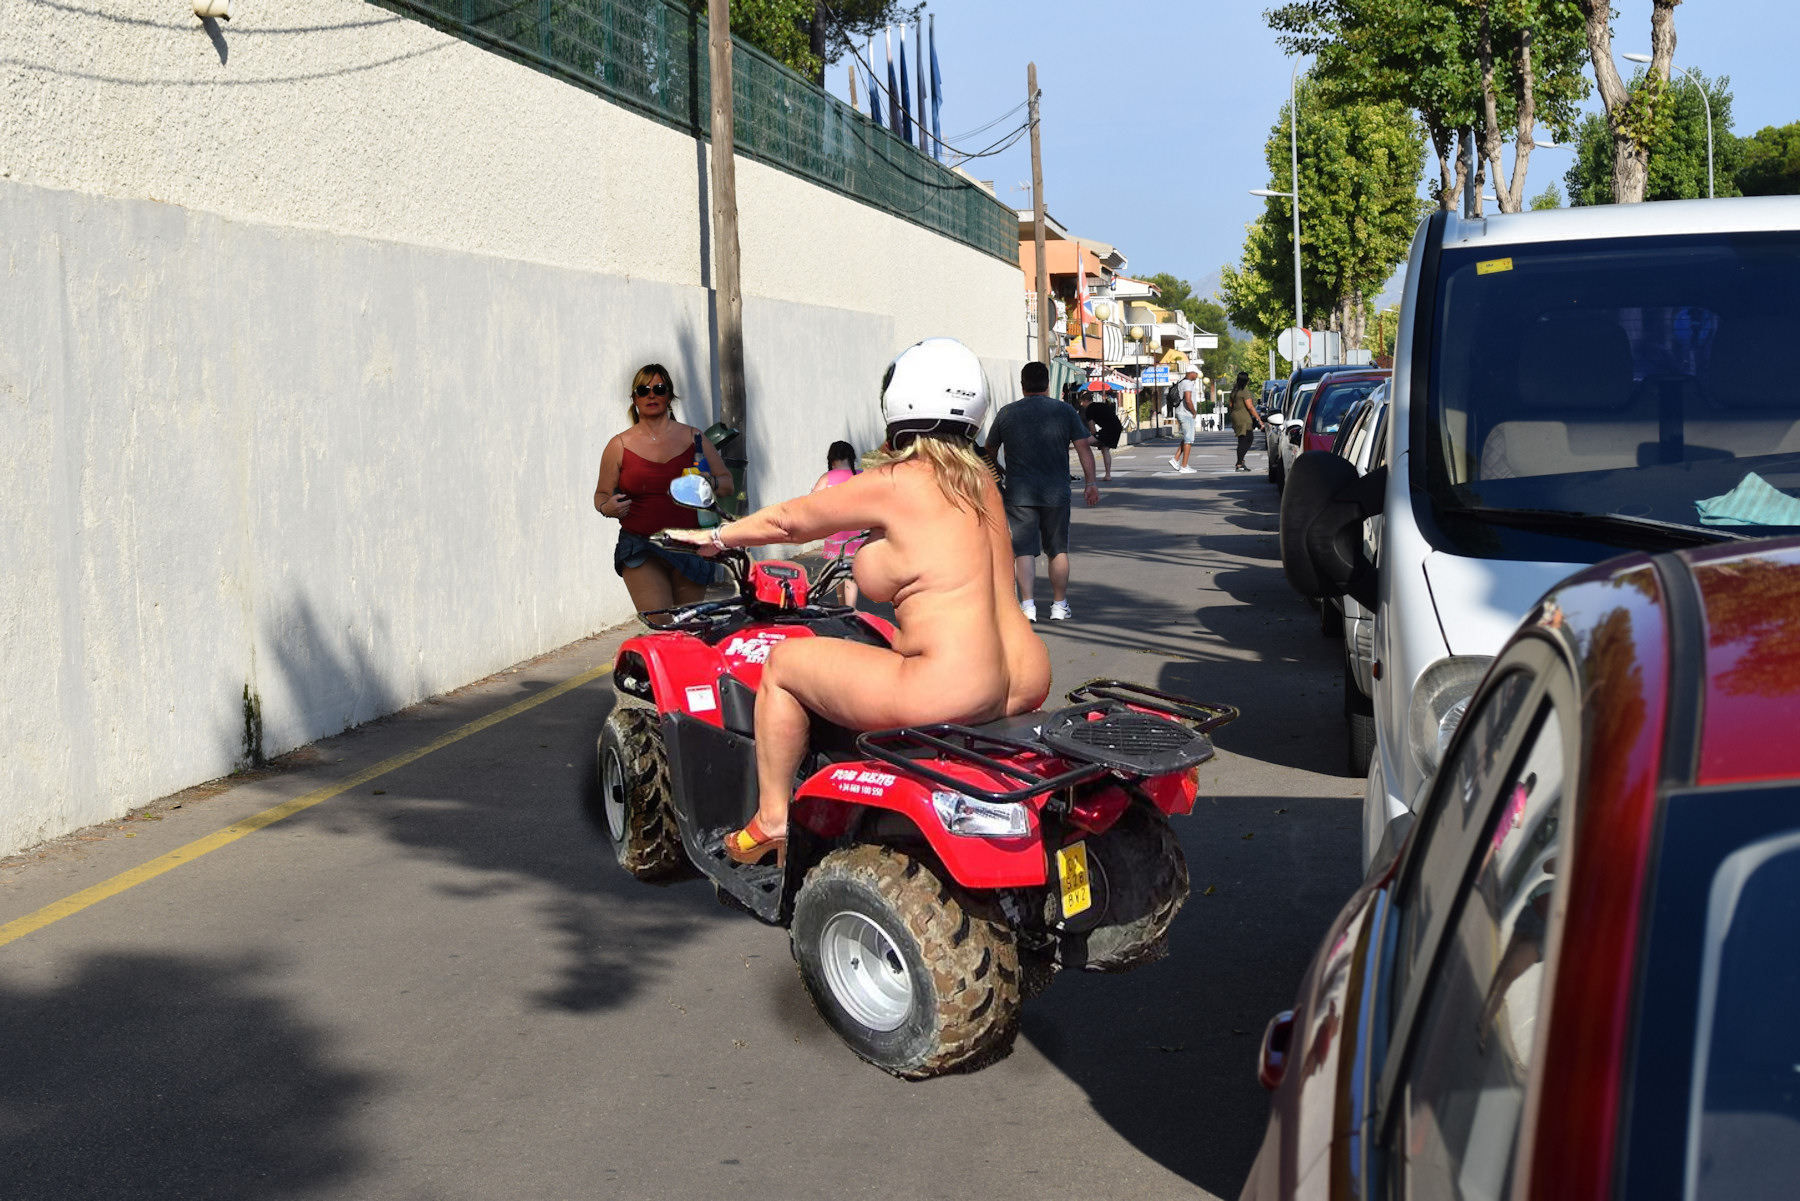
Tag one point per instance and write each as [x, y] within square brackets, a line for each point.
[909, 974]
[1331, 619]
[636, 812]
[1359, 715]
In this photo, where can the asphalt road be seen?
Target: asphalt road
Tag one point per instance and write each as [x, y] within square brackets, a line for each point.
[434, 984]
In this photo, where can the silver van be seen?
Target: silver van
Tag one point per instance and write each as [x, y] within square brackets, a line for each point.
[1568, 385]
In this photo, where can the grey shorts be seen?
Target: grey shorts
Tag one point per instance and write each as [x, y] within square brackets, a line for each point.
[1184, 425]
[1038, 527]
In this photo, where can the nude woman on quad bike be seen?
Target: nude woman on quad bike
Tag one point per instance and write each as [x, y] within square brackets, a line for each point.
[941, 553]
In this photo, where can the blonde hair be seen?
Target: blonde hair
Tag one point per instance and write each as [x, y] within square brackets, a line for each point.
[959, 471]
[646, 374]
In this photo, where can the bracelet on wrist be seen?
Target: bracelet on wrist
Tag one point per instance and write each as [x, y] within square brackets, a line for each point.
[718, 537]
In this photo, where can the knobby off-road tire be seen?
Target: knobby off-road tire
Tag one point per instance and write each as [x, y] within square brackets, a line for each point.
[637, 814]
[1143, 882]
[911, 975]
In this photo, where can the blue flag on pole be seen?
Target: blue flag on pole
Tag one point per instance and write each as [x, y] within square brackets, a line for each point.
[893, 96]
[874, 89]
[906, 128]
[937, 97]
[919, 72]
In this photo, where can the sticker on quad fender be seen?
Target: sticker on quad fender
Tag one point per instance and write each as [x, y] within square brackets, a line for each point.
[1072, 872]
[700, 699]
[756, 648]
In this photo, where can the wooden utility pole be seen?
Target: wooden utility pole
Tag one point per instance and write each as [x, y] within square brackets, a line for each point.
[1037, 219]
[726, 284]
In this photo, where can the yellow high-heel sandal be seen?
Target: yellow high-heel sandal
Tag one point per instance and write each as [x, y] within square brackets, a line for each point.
[752, 845]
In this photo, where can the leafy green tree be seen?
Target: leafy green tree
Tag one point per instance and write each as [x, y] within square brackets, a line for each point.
[810, 35]
[1771, 161]
[1469, 68]
[1637, 115]
[1549, 198]
[1360, 165]
[1675, 168]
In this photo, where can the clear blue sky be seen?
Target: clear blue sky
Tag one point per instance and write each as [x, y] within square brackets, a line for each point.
[1155, 111]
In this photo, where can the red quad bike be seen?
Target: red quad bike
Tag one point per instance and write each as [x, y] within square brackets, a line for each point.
[936, 875]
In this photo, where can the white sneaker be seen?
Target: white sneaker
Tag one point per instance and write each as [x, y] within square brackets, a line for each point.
[1175, 462]
[1187, 471]
[1029, 609]
[1059, 611]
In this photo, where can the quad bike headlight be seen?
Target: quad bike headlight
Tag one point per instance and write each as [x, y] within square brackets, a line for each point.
[980, 819]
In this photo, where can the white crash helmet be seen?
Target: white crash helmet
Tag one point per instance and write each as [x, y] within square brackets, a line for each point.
[933, 387]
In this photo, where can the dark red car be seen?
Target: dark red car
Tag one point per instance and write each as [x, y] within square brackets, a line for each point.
[1332, 402]
[1580, 977]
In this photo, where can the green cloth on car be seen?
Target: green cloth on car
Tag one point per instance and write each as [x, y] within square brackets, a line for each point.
[1754, 501]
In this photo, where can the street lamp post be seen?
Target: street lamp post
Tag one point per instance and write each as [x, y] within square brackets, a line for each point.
[1294, 178]
[1705, 100]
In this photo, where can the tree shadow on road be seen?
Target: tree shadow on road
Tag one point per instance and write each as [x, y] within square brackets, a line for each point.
[507, 812]
[170, 1076]
[1167, 1054]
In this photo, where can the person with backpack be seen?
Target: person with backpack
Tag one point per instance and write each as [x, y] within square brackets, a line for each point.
[1182, 401]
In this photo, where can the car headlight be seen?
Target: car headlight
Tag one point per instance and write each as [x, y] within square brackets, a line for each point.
[980, 819]
[1439, 700]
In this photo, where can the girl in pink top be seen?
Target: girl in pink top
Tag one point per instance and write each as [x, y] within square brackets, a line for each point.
[840, 461]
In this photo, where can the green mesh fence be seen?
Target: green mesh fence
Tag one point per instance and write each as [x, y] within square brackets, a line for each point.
[651, 56]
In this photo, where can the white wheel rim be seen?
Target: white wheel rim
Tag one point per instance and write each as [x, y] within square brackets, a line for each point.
[612, 794]
[865, 971]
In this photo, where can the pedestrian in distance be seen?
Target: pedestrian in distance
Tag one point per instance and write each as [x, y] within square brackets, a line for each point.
[635, 472]
[1186, 410]
[1035, 433]
[1103, 421]
[1244, 417]
[840, 467]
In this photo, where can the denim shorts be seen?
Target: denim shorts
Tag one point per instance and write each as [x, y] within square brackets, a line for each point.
[634, 550]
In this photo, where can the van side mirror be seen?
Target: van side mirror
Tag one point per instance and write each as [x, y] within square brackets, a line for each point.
[1322, 511]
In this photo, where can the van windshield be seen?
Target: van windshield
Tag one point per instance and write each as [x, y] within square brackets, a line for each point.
[1626, 393]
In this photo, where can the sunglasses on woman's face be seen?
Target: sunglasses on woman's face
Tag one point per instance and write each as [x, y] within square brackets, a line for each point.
[643, 390]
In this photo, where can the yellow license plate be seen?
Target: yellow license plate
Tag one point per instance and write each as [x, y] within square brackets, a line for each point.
[1072, 873]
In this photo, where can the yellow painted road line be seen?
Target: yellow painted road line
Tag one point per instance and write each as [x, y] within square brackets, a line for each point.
[57, 910]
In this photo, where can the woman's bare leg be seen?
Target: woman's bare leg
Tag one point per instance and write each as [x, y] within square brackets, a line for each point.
[649, 585]
[686, 591]
[1106, 457]
[859, 687]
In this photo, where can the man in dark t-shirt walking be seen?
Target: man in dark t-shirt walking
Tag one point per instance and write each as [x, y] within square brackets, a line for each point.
[1034, 434]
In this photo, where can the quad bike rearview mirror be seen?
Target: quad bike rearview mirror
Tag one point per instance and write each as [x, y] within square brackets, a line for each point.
[1322, 511]
[694, 491]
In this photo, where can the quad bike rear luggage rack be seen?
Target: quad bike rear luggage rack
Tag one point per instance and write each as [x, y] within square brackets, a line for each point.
[965, 745]
[1206, 717]
[1114, 726]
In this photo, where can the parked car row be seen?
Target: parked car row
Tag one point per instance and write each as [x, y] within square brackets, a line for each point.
[1570, 968]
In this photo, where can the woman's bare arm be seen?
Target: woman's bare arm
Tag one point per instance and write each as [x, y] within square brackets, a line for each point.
[611, 461]
[864, 502]
[715, 467]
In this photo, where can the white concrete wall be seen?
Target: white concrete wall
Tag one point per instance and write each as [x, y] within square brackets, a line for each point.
[307, 357]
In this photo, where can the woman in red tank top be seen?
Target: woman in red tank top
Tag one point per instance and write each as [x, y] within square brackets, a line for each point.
[635, 471]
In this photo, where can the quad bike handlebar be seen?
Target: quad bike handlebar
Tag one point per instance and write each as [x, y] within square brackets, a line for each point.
[737, 561]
